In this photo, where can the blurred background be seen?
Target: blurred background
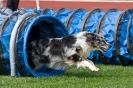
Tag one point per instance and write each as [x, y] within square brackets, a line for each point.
[73, 4]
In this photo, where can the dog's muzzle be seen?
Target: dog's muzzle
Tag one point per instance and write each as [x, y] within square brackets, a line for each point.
[104, 48]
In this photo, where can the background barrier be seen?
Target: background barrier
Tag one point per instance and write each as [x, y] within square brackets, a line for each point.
[24, 25]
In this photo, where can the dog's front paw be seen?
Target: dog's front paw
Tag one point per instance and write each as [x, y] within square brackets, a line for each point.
[95, 70]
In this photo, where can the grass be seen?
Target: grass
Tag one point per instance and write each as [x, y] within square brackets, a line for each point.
[109, 76]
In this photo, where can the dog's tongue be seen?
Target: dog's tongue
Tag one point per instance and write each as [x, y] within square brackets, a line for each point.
[103, 49]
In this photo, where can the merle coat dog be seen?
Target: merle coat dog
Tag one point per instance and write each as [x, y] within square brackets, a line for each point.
[61, 53]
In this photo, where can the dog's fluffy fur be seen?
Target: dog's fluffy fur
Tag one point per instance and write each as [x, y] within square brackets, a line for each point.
[60, 53]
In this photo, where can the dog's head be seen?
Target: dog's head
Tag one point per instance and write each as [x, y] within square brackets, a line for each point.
[96, 41]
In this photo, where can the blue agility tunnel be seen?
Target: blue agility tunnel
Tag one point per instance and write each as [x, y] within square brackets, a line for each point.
[130, 35]
[20, 27]
[123, 27]
[5, 15]
[107, 29]
[72, 19]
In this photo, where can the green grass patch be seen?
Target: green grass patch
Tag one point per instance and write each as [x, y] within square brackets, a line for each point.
[109, 76]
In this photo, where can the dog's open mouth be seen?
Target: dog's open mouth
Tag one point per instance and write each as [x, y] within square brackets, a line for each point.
[103, 49]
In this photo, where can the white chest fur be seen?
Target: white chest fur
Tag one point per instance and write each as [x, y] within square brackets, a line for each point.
[86, 48]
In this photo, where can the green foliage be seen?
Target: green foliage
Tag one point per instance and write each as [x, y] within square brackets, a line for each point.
[109, 76]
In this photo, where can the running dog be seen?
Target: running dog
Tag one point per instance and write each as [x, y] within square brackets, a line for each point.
[61, 53]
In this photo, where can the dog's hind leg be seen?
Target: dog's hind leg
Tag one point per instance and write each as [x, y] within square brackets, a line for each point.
[87, 63]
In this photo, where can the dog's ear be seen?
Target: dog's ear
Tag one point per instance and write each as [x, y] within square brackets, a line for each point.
[90, 36]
